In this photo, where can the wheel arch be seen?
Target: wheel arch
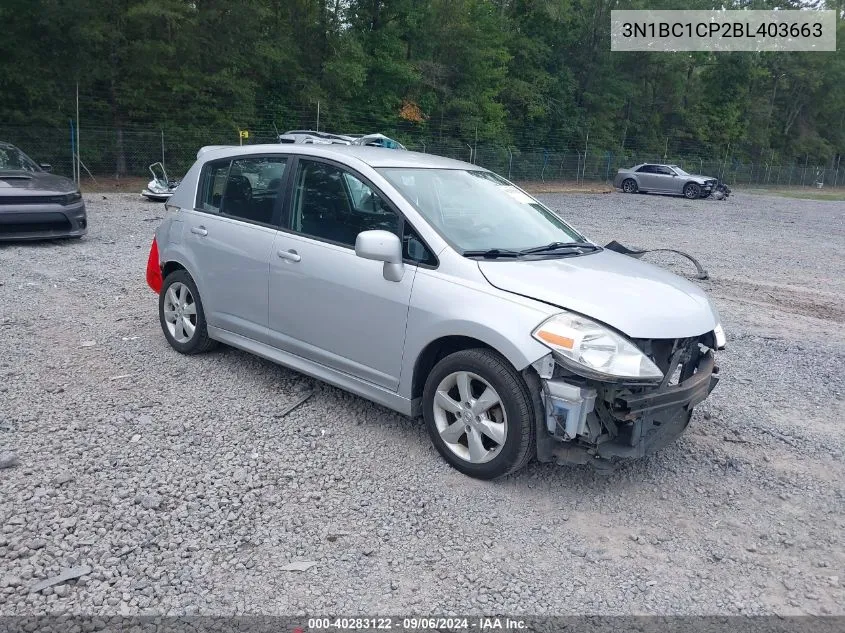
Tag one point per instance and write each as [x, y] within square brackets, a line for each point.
[476, 337]
[172, 259]
[172, 266]
[631, 177]
[176, 260]
[435, 351]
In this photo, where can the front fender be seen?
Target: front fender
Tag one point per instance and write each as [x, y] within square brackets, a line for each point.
[444, 306]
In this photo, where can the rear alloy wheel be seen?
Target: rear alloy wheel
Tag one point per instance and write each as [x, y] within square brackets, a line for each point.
[181, 315]
[692, 191]
[629, 185]
[478, 413]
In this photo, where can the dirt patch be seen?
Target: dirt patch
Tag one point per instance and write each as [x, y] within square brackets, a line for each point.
[565, 186]
[105, 184]
[785, 298]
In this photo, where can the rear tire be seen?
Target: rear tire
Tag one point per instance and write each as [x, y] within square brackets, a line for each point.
[629, 185]
[181, 315]
[479, 414]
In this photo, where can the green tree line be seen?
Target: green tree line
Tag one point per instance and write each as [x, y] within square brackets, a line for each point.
[526, 73]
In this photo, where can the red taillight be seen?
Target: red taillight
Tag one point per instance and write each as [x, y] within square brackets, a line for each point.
[154, 279]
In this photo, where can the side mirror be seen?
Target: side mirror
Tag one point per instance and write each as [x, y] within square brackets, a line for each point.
[46, 166]
[382, 246]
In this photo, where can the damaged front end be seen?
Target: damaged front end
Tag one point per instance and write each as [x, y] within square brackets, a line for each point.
[596, 421]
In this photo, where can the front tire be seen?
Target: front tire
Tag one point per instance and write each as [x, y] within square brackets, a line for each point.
[181, 315]
[629, 185]
[479, 414]
[692, 191]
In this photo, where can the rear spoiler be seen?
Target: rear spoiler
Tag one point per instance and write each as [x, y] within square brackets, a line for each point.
[208, 148]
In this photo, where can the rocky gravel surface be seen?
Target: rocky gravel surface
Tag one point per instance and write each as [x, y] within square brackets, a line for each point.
[158, 483]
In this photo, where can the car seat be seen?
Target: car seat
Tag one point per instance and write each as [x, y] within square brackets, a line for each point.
[325, 206]
[237, 197]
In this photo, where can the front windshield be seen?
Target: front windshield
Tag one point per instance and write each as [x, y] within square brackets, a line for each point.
[477, 210]
[11, 158]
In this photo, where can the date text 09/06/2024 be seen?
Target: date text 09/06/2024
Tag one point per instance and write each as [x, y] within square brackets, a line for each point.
[415, 623]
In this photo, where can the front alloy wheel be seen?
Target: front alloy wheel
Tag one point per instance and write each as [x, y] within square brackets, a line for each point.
[469, 417]
[479, 413]
[692, 191]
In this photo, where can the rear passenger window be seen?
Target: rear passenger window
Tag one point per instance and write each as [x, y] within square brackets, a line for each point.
[252, 188]
[246, 188]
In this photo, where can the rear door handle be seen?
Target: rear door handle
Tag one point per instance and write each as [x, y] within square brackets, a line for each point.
[199, 230]
[290, 255]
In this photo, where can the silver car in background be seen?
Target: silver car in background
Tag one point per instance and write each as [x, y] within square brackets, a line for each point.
[652, 178]
[435, 288]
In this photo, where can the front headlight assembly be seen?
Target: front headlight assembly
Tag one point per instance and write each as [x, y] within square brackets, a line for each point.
[66, 199]
[593, 350]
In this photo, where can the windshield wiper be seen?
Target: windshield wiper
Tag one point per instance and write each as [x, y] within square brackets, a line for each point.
[556, 246]
[493, 253]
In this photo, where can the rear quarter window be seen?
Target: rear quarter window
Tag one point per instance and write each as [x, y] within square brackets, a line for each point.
[212, 186]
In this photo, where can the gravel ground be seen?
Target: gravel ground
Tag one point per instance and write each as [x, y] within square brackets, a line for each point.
[174, 480]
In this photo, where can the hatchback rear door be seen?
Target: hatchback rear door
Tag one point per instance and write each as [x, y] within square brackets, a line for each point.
[231, 233]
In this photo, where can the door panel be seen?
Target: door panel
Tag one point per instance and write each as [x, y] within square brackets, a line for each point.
[647, 179]
[666, 179]
[231, 234]
[677, 184]
[232, 259]
[326, 303]
[337, 309]
[657, 178]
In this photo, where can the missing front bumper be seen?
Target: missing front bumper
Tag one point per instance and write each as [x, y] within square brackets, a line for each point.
[591, 423]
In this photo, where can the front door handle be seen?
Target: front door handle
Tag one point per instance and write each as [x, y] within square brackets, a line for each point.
[199, 230]
[290, 255]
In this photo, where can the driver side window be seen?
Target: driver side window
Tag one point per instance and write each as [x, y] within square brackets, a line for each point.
[332, 204]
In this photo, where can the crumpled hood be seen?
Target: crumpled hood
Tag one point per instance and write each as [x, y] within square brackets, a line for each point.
[23, 183]
[635, 297]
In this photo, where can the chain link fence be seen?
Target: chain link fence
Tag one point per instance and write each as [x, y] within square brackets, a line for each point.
[106, 152]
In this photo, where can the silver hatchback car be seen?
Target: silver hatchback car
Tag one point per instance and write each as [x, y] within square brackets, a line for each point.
[435, 288]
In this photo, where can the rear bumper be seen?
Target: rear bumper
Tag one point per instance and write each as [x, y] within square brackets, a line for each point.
[42, 221]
